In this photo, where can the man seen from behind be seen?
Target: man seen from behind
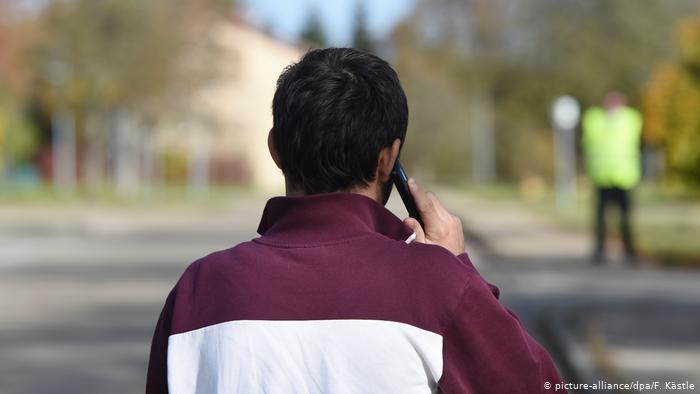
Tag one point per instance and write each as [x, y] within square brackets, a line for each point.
[337, 294]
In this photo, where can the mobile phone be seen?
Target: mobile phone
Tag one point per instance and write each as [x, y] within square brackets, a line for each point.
[400, 179]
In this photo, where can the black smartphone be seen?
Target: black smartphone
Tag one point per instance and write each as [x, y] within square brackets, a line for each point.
[400, 179]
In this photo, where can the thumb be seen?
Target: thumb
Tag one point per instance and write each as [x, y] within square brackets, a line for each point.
[415, 226]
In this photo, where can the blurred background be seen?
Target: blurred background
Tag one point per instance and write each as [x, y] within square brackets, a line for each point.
[133, 141]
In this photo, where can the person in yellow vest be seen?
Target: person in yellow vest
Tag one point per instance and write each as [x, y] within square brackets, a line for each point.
[611, 147]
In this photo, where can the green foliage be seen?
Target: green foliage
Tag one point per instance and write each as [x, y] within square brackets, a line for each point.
[313, 33]
[672, 103]
[175, 166]
[523, 55]
[436, 142]
[108, 52]
[18, 137]
[361, 37]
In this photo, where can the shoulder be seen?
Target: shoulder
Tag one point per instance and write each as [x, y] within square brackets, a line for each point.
[447, 280]
[593, 114]
[415, 257]
[195, 300]
[211, 267]
[438, 270]
[633, 114]
[423, 265]
[593, 111]
[437, 258]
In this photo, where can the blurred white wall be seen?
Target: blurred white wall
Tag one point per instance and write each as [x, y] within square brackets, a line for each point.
[235, 108]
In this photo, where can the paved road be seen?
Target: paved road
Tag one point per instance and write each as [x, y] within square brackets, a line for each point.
[79, 294]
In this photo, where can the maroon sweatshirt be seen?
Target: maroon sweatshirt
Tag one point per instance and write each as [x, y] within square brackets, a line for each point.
[334, 297]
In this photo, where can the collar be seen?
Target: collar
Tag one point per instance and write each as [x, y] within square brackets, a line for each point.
[318, 219]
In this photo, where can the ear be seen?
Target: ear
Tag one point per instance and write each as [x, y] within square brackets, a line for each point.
[273, 150]
[387, 157]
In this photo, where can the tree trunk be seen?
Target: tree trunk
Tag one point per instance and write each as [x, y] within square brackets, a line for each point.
[198, 162]
[483, 138]
[126, 157]
[63, 147]
[94, 163]
[147, 159]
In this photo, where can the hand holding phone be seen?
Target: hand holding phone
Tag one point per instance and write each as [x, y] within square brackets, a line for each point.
[433, 224]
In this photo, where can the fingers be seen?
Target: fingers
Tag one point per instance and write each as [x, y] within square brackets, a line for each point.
[415, 226]
[439, 208]
[441, 227]
[429, 206]
[424, 203]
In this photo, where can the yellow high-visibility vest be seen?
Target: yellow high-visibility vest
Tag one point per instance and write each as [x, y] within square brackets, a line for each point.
[611, 146]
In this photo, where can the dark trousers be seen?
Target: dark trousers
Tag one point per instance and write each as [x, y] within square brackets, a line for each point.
[620, 198]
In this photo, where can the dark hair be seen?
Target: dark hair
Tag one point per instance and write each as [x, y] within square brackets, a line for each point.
[333, 112]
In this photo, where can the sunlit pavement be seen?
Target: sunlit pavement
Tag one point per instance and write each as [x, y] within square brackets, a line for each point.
[79, 299]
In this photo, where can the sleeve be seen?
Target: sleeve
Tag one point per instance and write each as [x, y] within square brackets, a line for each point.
[157, 375]
[487, 350]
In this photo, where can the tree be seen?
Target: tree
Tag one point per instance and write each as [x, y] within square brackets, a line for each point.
[95, 58]
[119, 64]
[313, 33]
[18, 137]
[361, 37]
[516, 57]
[671, 103]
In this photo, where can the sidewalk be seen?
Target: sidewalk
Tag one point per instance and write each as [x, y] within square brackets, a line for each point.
[511, 232]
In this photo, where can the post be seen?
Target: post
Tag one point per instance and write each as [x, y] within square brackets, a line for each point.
[483, 144]
[126, 158]
[198, 160]
[63, 152]
[62, 133]
[565, 115]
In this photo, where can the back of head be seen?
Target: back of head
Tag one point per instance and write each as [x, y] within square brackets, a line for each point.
[333, 112]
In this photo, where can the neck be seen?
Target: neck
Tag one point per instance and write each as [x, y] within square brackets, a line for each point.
[373, 191]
